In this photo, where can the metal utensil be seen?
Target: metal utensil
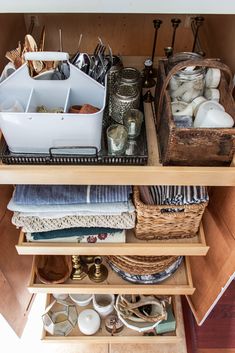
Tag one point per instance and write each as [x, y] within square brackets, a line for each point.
[75, 57]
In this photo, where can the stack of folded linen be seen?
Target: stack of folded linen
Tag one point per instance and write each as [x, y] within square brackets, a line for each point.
[73, 213]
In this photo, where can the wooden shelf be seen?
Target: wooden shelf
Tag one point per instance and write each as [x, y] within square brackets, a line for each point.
[152, 174]
[176, 339]
[179, 283]
[195, 246]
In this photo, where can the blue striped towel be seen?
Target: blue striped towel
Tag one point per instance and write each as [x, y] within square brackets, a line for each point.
[70, 194]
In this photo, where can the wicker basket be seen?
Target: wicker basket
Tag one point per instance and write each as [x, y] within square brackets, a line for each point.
[142, 265]
[194, 146]
[154, 222]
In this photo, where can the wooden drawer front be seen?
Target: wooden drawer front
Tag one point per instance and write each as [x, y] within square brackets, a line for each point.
[178, 284]
[195, 246]
[175, 340]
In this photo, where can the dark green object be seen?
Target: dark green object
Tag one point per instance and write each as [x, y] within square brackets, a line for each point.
[167, 325]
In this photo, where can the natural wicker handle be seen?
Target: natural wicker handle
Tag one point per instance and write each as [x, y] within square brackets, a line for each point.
[209, 63]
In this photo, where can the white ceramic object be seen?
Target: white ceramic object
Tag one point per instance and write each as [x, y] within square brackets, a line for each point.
[217, 119]
[212, 78]
[178, 106]
[203, 109]
[181, 109]
[59, 296]
[212, 94]
[88, 322]
[196, 104]
[103, 303]
[81, 299]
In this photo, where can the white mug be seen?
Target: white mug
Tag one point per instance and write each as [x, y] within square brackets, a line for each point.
[103, 303]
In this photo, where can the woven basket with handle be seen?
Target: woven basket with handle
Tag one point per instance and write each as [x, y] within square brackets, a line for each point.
[155, 222]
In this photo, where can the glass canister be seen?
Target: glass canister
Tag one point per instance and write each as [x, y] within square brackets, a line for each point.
[124, 98]
[130, 76]
[189, 83]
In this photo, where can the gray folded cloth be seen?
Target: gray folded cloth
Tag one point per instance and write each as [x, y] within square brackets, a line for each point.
[70, 194]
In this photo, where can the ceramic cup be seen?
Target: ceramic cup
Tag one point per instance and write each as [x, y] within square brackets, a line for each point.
[103, 303]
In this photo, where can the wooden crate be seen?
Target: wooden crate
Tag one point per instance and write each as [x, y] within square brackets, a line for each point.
[194, 146]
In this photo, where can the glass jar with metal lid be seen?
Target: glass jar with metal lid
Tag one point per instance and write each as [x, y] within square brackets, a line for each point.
[124, 98]
[130, 76]
[188, 83]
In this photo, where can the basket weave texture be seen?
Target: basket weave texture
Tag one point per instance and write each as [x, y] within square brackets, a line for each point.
[194, 146]
[142, 265]
[154, 223]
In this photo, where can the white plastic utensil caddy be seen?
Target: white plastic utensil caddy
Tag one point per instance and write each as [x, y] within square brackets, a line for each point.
[33, 132]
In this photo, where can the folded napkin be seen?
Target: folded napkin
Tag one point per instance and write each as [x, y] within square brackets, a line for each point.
[35, 224]
[178, 195]
[70, 194]
[71, 232]
[83, 209]
[105, 237]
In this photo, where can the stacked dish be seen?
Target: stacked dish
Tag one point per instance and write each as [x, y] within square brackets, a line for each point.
[152, 275]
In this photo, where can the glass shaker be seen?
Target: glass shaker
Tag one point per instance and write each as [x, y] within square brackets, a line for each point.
[124, 98]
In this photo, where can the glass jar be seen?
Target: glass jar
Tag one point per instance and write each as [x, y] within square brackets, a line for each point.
[133, 119]
[124, 98]
[188, 83]
[130, 76]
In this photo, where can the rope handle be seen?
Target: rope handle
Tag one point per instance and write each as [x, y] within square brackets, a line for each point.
[209, 63]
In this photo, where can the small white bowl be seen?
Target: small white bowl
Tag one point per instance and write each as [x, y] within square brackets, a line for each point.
[58, 296]
[81, 299]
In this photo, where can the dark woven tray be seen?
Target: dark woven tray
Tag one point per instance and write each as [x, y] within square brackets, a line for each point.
[55, 157]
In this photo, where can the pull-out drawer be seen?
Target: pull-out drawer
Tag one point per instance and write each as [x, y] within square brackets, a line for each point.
[173, 341]
[180, 283]
[195, 246]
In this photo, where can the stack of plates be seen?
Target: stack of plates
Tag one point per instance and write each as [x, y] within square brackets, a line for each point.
[148, 279]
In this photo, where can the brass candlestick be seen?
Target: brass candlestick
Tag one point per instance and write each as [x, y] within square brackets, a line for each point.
[79, 270]
[98, 272]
